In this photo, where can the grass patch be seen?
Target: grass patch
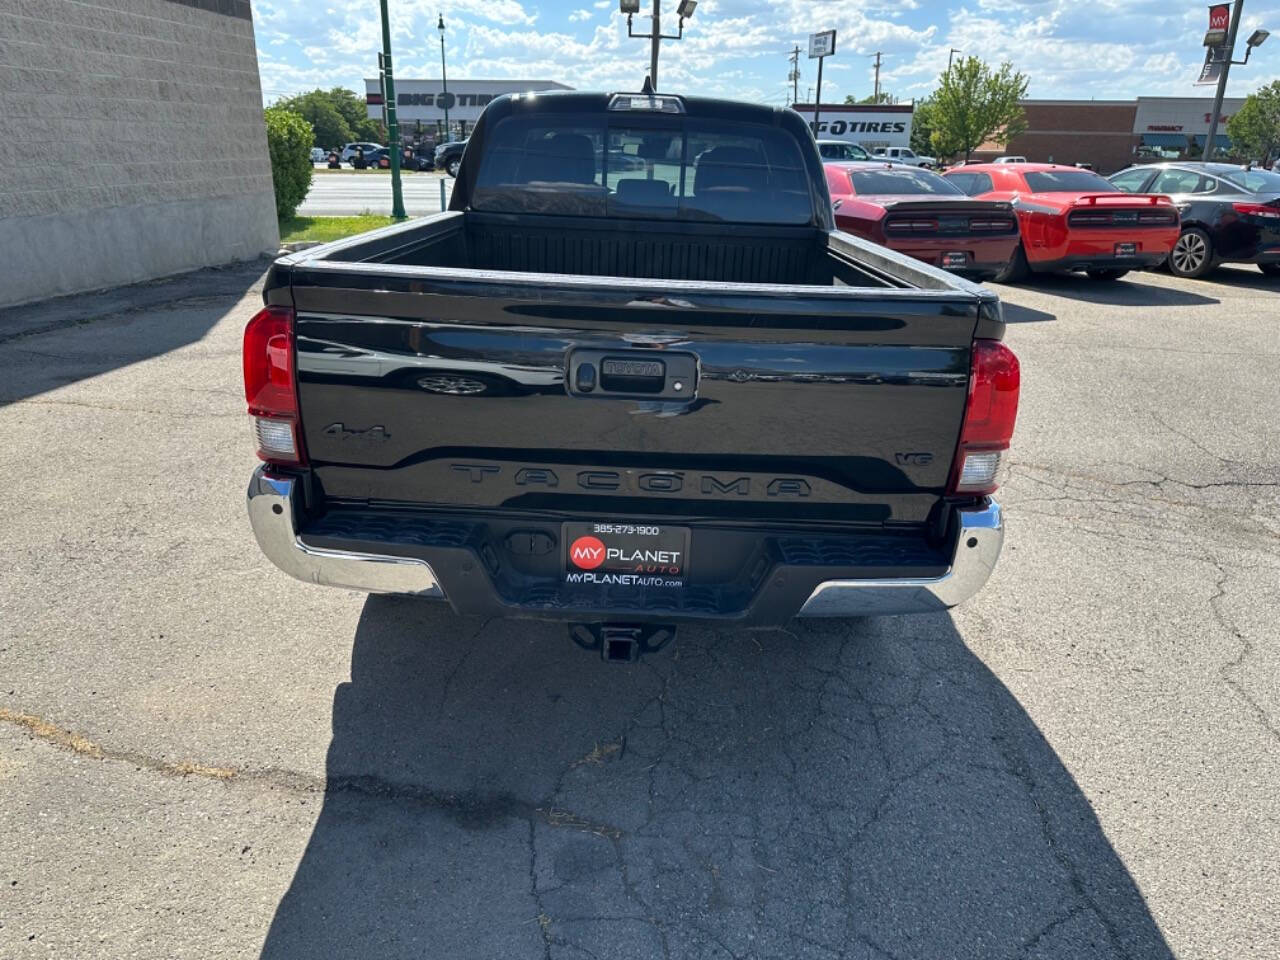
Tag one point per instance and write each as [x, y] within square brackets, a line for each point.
[324, 229]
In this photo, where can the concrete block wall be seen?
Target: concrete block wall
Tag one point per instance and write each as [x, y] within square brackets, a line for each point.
[131, 143]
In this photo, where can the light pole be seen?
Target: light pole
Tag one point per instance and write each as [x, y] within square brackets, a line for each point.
[444, 82]
[655, 34]
[953, 52]
[1256, 39]
[393, 127]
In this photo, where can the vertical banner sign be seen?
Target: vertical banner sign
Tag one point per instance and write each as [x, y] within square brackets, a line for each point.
[1215, 44]
[821, 46]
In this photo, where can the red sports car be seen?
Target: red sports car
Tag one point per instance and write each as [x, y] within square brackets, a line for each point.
[1073, 219]
[918, 213]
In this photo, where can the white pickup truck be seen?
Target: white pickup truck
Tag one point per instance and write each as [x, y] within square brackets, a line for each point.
[905, 155]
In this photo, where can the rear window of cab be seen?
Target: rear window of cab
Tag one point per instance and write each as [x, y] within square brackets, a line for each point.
[620, 167]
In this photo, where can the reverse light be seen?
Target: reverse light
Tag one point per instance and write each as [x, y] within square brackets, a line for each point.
[989, 415]
[1256, 210]
[270, 385]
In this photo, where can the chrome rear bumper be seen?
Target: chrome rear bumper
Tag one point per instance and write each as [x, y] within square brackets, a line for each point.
[273, 515]
[977, 550]
[274, 501]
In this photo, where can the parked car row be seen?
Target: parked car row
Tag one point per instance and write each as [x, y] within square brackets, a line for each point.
[365, 154]
[1044, 218]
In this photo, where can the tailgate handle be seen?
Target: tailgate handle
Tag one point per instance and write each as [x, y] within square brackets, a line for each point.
[604, 373]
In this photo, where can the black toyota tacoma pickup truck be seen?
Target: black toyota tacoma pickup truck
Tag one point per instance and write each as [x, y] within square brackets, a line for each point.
[633, 377]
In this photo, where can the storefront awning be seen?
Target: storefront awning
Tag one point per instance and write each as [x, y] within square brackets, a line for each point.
[1177, 140]
[1220, 140]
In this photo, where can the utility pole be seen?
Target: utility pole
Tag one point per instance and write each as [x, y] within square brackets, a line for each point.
[794, 75]
[876, 98]
[393, 127]
[953, 52]
[1236, 16]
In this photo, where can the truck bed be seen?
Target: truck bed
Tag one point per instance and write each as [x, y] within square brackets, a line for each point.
[702, 252]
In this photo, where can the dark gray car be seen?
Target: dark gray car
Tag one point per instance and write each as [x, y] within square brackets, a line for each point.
[1230, 214]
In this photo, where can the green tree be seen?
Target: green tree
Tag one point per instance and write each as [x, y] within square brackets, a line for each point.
[356, 113]
[1255, 128]
[922, 127]
[330, 126]
[974, 104]
[337, 115]
[289, 139]
[882, 97]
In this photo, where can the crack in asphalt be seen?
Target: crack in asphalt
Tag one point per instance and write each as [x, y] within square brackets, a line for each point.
[1247, 649]
[66, 739]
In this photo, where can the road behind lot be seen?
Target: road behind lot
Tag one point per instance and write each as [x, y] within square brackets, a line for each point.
[200, 758]
[351, 194]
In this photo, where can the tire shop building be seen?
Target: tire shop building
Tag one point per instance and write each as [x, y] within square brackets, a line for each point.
[873, 126]
[421, 104]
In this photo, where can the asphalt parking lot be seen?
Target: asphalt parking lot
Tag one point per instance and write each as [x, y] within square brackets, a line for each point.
[200, 758]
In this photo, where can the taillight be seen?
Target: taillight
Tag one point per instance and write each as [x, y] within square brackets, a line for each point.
[270, 385]
[1090, 219]
[1257, 210]
[990, 224]
[989, 415]
[911, 226]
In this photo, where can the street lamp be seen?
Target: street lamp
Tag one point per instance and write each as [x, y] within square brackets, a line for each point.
[684, 11]
[444, 81]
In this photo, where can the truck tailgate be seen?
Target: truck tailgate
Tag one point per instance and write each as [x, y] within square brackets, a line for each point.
[703, 400]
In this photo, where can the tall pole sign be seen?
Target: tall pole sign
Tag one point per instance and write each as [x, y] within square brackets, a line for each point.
[821, 46]
[1230, 21]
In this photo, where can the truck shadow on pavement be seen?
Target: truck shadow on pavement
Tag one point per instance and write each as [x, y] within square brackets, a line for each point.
[68, 339]
[862, 789]
[1016, 313]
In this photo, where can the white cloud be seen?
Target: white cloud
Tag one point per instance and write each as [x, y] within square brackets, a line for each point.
[739, 48]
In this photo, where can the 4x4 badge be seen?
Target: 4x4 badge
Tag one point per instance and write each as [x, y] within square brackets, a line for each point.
[378, 433]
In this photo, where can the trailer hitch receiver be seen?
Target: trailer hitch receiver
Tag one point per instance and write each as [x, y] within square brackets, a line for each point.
[621, 642]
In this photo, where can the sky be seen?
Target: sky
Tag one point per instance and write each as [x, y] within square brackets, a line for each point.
[1069, 49]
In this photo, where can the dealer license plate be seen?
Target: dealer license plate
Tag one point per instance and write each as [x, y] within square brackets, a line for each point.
[613, 553]
[1126, 249]
[955, 260]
